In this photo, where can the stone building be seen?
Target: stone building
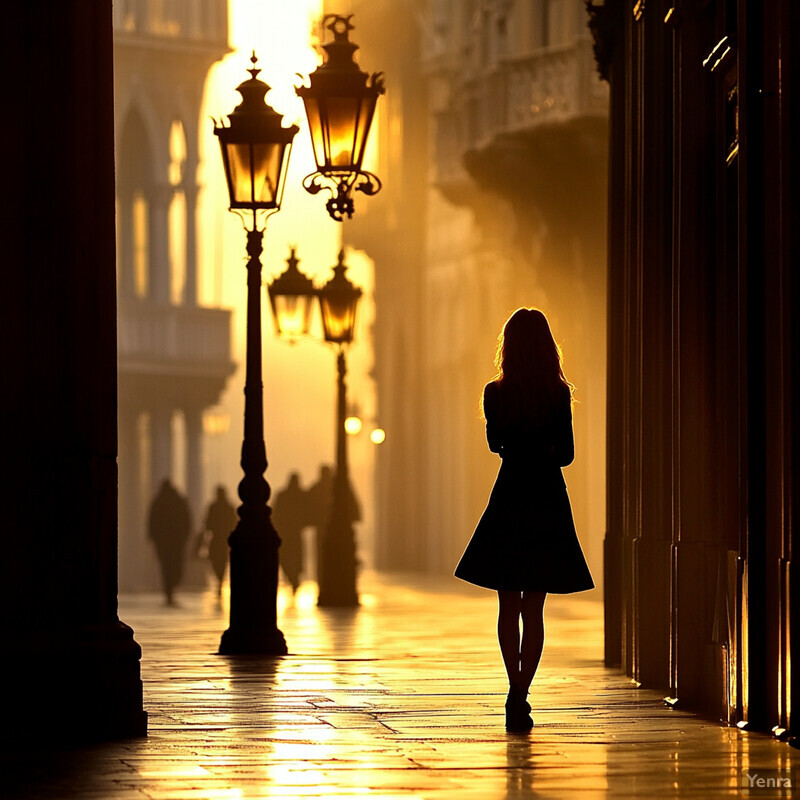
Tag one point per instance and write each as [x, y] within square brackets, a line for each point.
[174, 354]
[704, 340]
[493, 155]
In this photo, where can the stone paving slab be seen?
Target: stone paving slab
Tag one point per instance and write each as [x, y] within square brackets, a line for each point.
[401, 698]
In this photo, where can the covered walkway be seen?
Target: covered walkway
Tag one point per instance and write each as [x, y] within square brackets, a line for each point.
[401, 698]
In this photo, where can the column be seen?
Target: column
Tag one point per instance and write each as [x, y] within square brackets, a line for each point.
[190, 286]
[160, 445]
[77, 677]
[194, 462]
[159, 197]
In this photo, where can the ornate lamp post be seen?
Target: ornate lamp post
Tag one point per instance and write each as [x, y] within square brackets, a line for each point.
[340, 103]
[338, 300]
[255, 152]
[291, 296]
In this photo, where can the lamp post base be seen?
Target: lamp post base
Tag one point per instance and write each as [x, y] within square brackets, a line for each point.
[338, 601]
[252, 641]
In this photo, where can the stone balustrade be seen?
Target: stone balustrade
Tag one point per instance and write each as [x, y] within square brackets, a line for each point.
[175, 339]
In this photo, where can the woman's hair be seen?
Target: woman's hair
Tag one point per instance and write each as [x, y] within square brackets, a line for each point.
[528, 361]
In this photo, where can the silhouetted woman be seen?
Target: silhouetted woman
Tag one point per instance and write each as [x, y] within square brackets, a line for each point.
[525, 544]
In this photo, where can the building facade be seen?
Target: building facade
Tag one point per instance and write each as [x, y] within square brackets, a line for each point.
[704, 342]
[174, 354]
[493, 154]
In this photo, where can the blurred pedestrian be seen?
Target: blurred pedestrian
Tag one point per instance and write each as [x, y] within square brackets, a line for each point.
[221, 519]
[169, 525]
[290, 514]
[318, 500]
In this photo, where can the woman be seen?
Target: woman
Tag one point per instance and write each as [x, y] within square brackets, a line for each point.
[525, 544]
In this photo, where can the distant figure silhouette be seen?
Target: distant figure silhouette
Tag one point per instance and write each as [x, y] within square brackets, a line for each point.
[525, 543]
[221, 519]
[319, 496]
[290, 514]
[169, 526]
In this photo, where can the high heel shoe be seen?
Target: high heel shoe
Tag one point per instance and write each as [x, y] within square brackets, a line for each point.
[518, 711]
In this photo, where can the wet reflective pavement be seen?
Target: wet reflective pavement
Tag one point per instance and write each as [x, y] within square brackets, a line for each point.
[402, 697]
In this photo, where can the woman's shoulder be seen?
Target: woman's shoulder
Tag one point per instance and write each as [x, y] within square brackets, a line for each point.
[491, 392]
[491, 398]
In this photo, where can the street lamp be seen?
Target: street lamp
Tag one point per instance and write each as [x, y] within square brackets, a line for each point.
[255, 152]
[291, 296]
[338, 301]
[340, 103]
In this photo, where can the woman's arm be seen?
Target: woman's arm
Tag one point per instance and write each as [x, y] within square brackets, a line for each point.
[563, 439]
[491, 402]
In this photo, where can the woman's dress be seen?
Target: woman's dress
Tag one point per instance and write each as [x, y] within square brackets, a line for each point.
[526, 539]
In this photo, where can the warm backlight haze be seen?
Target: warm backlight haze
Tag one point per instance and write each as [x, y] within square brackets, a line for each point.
[299, 378]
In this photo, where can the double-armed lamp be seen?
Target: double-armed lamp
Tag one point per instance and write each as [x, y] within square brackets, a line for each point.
[340, 104]
[292, 295]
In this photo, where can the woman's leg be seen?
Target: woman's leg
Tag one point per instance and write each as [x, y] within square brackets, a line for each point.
[532, 636]
[508, 614]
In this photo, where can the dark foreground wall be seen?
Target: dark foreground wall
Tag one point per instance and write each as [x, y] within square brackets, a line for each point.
[703, 350]
[72, 666]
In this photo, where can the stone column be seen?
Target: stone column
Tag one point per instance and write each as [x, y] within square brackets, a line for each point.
[159, 198]
[194, 462]
[190, 287]
[160, 445]
[132, 536]
[75, 665]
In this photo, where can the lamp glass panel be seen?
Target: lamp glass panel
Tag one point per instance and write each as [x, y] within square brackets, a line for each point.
[316, 129]
[338, 318]
[292, 314]
[363, 125]
[341, 117]
[255, 172]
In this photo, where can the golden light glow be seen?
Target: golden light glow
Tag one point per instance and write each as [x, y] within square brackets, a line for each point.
[378, 436]
[352, 425]
[216, 421]
[141, 244]
[299, 381]
[177, 152]
[176, 221]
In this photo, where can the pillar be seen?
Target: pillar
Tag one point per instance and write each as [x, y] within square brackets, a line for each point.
[76, 665]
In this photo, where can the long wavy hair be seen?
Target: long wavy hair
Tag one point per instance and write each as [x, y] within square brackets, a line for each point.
[529, 363]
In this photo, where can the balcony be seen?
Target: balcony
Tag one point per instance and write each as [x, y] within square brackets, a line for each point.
[174, 341]
[517, 97]
[175, 20]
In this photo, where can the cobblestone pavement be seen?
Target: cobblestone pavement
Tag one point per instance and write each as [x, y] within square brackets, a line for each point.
[401, 698]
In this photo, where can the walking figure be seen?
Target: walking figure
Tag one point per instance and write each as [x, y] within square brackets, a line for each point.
[221, 519]
[319, 497]
[290, 515]
[525, 544]
[169, 525]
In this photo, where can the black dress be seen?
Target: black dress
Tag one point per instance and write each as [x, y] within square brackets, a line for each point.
[526, 540]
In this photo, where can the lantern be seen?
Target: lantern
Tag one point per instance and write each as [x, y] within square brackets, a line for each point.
[255, 148]
[340, 104]
[338, 300]
[291, 296]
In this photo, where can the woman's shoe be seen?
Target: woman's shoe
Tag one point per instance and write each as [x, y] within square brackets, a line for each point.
[518, 717]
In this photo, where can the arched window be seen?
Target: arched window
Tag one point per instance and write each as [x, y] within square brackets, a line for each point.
[177, 213]
[134, 188]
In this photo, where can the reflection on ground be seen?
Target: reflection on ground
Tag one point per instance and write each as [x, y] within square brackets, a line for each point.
[402, 697]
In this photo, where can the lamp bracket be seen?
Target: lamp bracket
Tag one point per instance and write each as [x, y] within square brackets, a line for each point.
[340, 204]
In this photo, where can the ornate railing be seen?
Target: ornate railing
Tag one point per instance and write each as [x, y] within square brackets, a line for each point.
[193, 20]
[154, 338]
[548, 87]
